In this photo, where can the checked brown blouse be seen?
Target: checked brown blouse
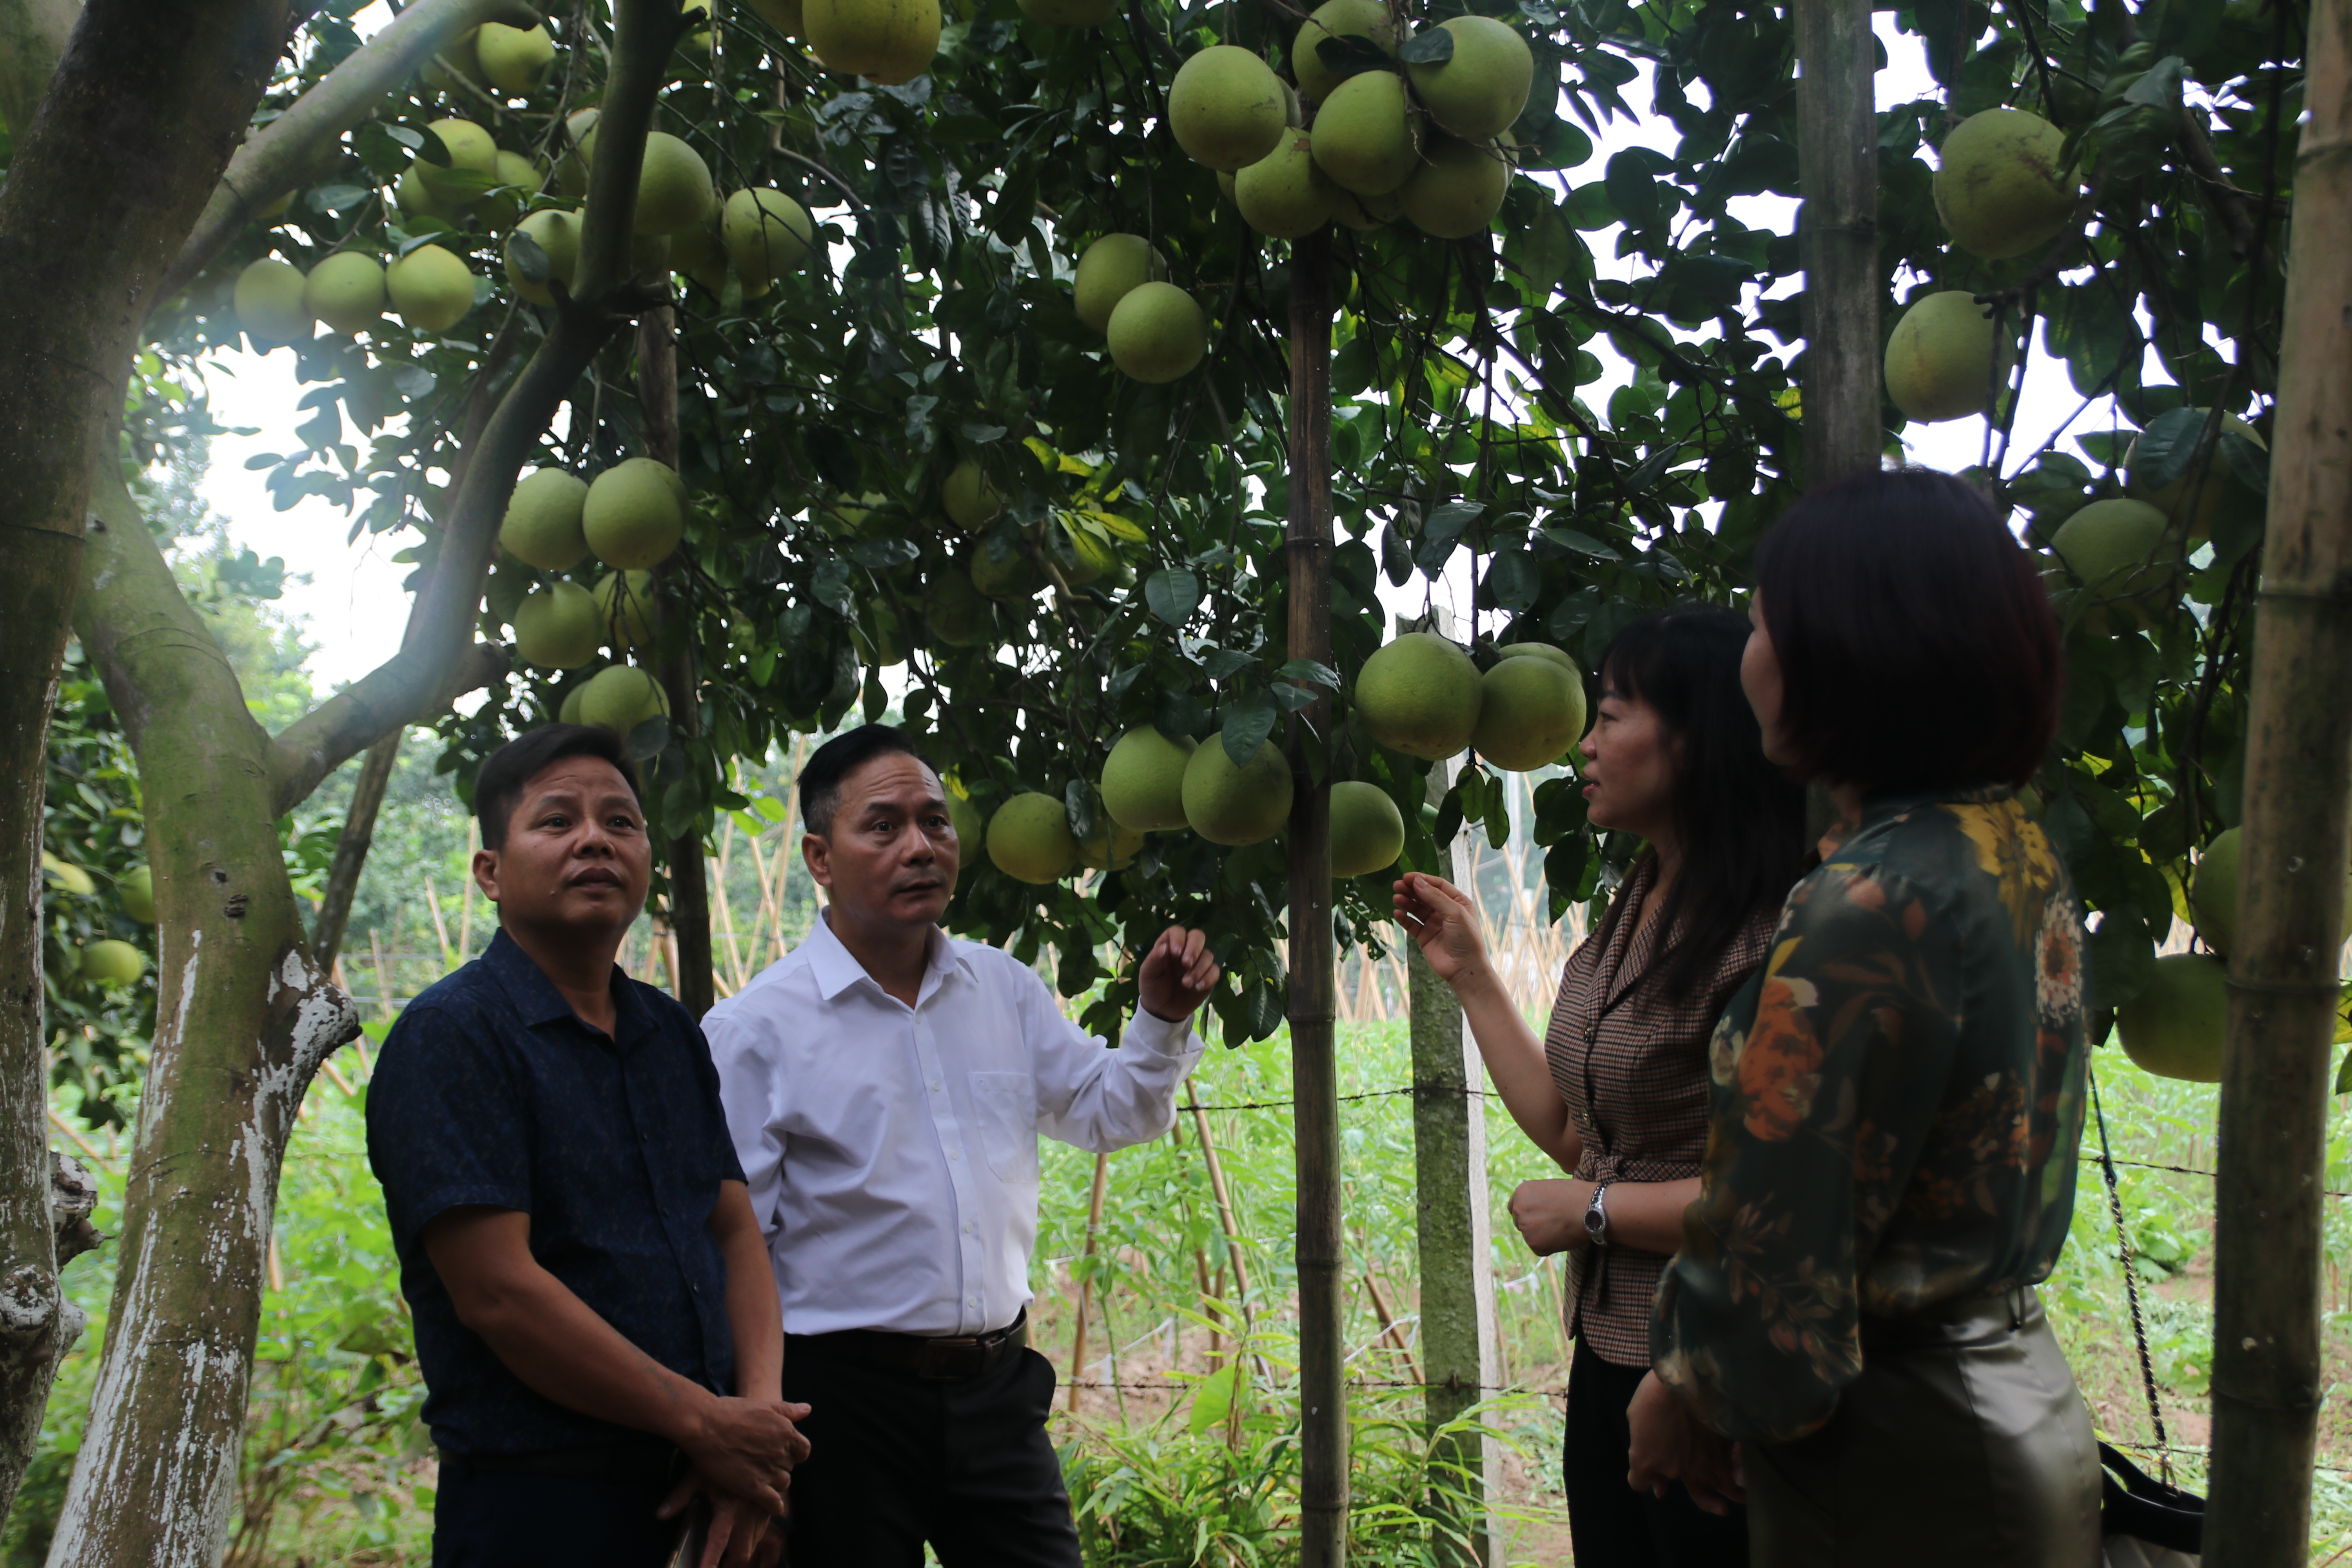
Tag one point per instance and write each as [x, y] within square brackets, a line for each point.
[1632, 1063]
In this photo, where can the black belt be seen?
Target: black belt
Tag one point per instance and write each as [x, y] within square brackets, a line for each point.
[655, 1463]
[954, 1359]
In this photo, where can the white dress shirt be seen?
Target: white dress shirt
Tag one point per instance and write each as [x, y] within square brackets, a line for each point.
[892, 1151]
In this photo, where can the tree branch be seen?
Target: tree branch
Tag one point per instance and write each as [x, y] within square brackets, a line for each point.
[396, 693]
[2196, 146]
[33, 35]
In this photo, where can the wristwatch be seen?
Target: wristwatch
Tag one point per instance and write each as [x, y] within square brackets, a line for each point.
[1596, 1216]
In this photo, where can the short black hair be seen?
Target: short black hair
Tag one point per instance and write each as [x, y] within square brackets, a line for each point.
[499, 787]
[838, 758]
[1915, 641]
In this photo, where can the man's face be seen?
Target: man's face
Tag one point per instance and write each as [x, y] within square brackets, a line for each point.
[576, 854]
[892, 856]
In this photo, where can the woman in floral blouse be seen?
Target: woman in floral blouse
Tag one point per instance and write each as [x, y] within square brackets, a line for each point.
[1617, 1090]
[1898, 1095]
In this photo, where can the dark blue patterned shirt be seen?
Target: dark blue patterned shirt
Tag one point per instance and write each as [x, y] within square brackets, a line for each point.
[490, 1090]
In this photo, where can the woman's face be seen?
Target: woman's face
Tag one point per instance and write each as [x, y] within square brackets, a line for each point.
[1759, 678]
[1629, 760]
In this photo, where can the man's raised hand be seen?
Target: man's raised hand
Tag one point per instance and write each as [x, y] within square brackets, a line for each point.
[1178, 974]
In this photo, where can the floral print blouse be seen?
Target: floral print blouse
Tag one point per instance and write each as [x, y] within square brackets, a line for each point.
[1898, 1098]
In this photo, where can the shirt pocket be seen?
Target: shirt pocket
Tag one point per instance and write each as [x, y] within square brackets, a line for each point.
[1005, 1105]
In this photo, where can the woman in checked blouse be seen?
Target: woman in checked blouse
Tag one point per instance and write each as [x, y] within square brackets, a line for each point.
[1616, 1092]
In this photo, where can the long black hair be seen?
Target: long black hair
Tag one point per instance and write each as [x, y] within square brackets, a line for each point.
[1741, 819]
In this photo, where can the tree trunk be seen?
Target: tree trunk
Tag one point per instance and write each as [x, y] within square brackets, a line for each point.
[108, 175]
[1837, 240]
[2276, 1101]
[1314, 1072]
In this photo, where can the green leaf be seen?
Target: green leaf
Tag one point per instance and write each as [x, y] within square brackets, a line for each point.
[1213, 1399]
[531, 262]
[1633, 189]
[649, 739]
[1349, 54]
[1432, 47]
[1173, 594]
[1248, 721]
[2248, 462]
[2343, 1078]
[2168, 447]
[2159, 87]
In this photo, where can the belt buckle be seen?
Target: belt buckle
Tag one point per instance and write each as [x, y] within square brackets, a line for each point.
[951, 1361]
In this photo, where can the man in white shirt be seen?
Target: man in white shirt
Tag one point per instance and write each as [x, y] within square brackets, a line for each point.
[885, 1085]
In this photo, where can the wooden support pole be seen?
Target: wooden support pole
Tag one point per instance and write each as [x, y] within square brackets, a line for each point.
[1094, 1240]
[2268, 1376]
[351, 849]
[1313, 984]
[1837, 238]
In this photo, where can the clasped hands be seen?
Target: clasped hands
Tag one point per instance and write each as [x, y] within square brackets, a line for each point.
[743, 1451]
[1672, 1443]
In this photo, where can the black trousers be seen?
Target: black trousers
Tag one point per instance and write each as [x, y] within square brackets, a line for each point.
[1610, 1523]
[895, 1461]
[485, 1518]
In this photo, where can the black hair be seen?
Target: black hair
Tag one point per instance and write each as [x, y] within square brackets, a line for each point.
[1740, 818]
[822, 774]
[506, 771]
[1915, 638]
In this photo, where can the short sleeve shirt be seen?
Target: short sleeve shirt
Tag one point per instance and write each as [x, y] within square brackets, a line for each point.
[491, 1091]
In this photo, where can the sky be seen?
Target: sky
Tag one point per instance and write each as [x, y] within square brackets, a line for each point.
[352, 607]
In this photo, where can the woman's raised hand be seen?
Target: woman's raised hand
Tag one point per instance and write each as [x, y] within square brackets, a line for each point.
[1444, 920]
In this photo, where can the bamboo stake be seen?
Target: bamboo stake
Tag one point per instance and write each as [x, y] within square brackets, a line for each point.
[1389, 1332]
[440, 930]
[1094, 1237]
[382, 977]
[466, 891]
[1837, 238]
[1226, 1222]
[2267, 1373]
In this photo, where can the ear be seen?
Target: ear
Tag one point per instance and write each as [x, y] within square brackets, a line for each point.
[818, 854]
[486, 873]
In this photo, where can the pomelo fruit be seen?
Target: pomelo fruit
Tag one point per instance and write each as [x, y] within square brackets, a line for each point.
[558, 626]
[1227, 108]
[971, 827]
[1336, 19]
[1014, 577]
[112, 962]
[674, 188]
[620, 698]
[888, 41]
[1458, 188]
[580, 137]
[463, 61]
[66, 875]
[2174, 1027]
[634, 514]
[542, 527]
[2120, 552]
[955, 612]
[346, 292]
[699, 250]
[1285, 194]
[1230, 805]
[2217, 488]
[2213, 892]
[1112, 267]
[515, 61]
[1157, 333]
[1109, 847]
[1482, 88]
[1420, 695]
[971, 502]
[1359, 213]
[471, 152]
[271, 305]
[1029, 838]
[414, 202]
[1939, 359]
[1366, 829]
[1998, 184]
[767, 234]
[876, 636]
[1364, 135]
[568, 711]
[1070, 12]
[1143, 780]
[627, 613]
[136, 890]
[557, 233]
[1543, 651]
[1530, 711]
[431, 288]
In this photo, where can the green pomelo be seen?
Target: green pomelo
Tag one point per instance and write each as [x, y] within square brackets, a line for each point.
[1109, 847]
[1112, 267]
[888, 41]
[1143, 780]
[767, 234]
[346, 292]
[634, 514]
[955, 613]
[1939, 359]
[674, 188]
[269, 302]
[1013, 577]
[620, 698]
[846, 519]
[557, 233]
[1070, 12]
[112, 962]
[1999, 185]
[431, 288]
[558, 626]
[1420, 695]
[1230, 805]
[1336, 19]
[2174, 1027]
[626, 611]
[875, 637]
[1482, 88]
[572, 168]
[1458, 188]
[68, 877]
[409, 195]
[542, 527]
[1543, 650]
[137, 892]
[1285, 194]
[1157, 333]
[1366, 830]
[516, 60]
[2219, 485]
[971, 827]
[699, 250]
[1530, 711]
[2119, 551]
[2213, 893]
[518, 179]
[971, 502]
[1364, 134]
[1029, 839]
[464, 62]
[1227, 108]
[1366, 212]
[471, 152]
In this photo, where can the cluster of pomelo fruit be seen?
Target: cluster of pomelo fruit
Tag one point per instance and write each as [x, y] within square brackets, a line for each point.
[108, 960]
[1425, 696]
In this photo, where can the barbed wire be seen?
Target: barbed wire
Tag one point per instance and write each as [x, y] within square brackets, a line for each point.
[1172, 1387]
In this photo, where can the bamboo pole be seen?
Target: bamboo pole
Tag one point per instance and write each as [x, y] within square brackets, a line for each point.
[1094, 1238]
[351, 849]
[1223, 1195]
[1837, 238]
[2267, 1364]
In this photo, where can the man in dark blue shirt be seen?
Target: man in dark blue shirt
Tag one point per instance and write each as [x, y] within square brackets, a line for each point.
[595, 1316]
